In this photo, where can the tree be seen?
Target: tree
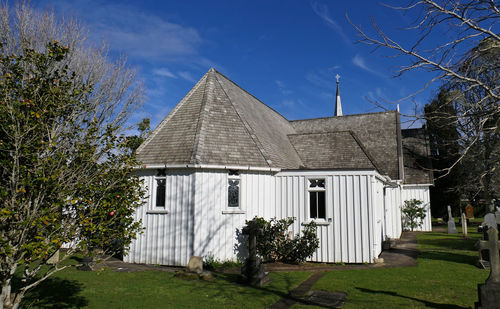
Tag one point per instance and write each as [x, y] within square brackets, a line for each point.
[466, 61]
[440, 118]
[413, 214]
[65, 170]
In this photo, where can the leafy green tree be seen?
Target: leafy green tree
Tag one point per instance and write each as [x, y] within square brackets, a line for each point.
[413, 214]
[65, 170]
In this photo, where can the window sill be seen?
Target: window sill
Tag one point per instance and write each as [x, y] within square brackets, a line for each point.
[236, 211]
[157, 212]
[318, 222]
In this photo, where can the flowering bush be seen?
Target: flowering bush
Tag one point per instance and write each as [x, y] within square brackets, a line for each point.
[276, 244]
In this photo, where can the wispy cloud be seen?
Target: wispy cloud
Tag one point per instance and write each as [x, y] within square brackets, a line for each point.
[283, 88]
[360, 62]
[164, 72]
[138, 34]
[186, 75]
[324, 13]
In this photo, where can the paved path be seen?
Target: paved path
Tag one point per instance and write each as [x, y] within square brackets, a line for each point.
[296, 294]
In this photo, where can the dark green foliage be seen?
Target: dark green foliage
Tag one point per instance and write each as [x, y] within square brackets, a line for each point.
[65, 175]
[413, 214]
[441, 122]
[275, 245]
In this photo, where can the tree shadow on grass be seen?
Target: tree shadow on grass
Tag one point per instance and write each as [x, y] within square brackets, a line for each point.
[288, 298]
[55, 293]
[425, 302]
[449, 257]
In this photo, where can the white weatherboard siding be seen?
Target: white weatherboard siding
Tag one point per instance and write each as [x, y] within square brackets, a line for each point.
[168, 237]
[420, 193]
[393, 204]
[201, 223]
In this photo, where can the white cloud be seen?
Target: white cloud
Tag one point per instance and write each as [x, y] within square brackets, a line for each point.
[164, 72]
[138, 34]
[324, 13]
[361, 63]
[186, 75]
[283, 88]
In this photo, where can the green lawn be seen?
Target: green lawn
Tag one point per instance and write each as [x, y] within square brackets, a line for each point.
[446, 277]
[150, 289]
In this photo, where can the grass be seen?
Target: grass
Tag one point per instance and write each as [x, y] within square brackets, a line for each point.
[156, 289]
[446, 277]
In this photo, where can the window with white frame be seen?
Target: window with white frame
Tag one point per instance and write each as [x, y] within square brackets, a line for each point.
[317, 199]
[160, 189]
[233, 189]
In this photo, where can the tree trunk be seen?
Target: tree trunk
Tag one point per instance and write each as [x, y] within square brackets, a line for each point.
[9, 300]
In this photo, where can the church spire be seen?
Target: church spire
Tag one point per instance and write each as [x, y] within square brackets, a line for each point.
[338, 105]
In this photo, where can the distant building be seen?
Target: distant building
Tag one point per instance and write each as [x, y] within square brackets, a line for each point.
[222, 157]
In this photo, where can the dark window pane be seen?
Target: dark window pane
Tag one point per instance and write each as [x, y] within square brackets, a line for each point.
[321, 183]
[233, 173]
[313, 213]
[160, 192]
[233, 193]
[161, 172]
[321, 205]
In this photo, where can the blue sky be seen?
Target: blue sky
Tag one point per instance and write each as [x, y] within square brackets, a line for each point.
[286, 53]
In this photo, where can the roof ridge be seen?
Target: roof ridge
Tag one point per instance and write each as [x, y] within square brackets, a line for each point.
[272, 109]
[200, 133]
[247, 126]
[365, 151]
[322, 132]
[344, 116]
[171, 114]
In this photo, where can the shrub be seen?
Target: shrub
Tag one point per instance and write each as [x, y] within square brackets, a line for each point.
[413, 214]
[275, 245]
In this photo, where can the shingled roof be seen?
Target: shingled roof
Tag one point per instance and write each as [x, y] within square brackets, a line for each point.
[417, 160]
[378, 132]
[219, 123]
[332, 150]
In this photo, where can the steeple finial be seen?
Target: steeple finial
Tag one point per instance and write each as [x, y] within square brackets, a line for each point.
[338, 105]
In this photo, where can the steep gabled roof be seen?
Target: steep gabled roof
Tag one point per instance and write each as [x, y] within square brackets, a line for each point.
[219, 123]
[378, 132]
[332, 150]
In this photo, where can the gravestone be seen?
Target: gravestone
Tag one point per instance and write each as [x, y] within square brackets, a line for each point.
[489, 292]
[464, 225]
[452, 229]
[469, 212]
[253, 269]
[195, 265]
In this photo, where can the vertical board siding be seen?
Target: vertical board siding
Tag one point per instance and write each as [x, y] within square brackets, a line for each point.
[167, 237]
[420, 193]
[393, 204]
[196, 222]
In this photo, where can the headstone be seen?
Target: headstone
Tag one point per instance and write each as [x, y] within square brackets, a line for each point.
[326, 299]
[452, 229]
[489, 292]
[469, 212]
[464, 225]
[253, 269]
[490, 220]
[195, 264]
[54, 258]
